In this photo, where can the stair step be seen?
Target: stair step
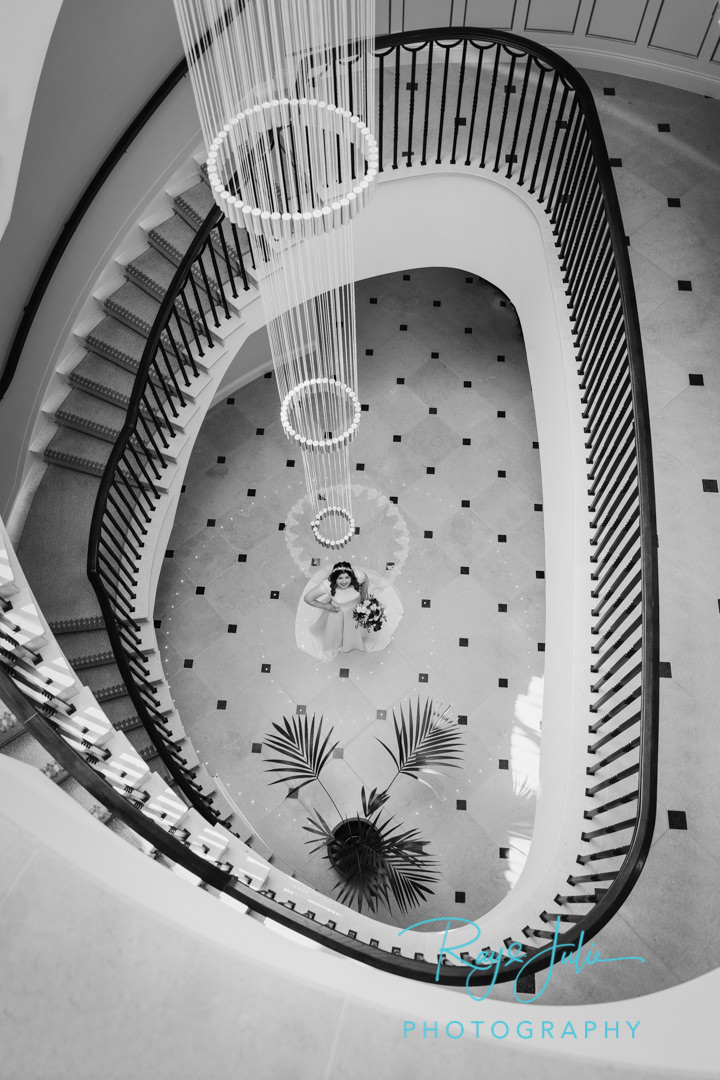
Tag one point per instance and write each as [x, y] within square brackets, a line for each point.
[194, 205]
[117, 342]
[105, 681]
[104, 379]
[132, 306]
[78, 450]
[121, 713]
[87, 648]
[85, 412]
[153, 271]
[172, 237]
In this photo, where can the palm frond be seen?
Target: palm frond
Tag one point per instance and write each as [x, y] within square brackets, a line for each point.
[425, 740]
[302, 749]
[372, 802]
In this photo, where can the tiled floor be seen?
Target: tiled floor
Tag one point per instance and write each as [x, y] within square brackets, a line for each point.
[449, 436]
[666, 149]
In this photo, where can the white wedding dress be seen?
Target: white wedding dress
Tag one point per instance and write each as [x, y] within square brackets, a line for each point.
[324, 634]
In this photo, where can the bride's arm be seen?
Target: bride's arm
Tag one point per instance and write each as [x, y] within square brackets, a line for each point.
[362, 579]
[312, 598]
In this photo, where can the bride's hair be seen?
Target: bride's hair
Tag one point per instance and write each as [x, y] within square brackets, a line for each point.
[337, 571]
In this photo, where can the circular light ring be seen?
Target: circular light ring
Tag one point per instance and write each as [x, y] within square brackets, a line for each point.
[312, 385]
[270, 223]
[338, 511]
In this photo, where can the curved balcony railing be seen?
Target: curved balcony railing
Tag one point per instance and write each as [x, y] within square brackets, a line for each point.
[471, 100]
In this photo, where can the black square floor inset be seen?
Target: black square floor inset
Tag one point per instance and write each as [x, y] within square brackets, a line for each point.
[464, 569]
[211, 523]
[265, 669]
[434, 355]
[403, 326]
[430, 470]
[710, 485]
[459, 897]
[427, 534]
[359, 466]
[406, 277]
[469, 280]
[301, 710]
[685, 286]
[221, 705]
[500, 359]
[260, 431]
[541, 646]
[251, 492]
[609, 91]
[157, 623]
[540, 575]
[465, 504]
[468, 329]
[502, 538]
[373, 299]
[423, 676]
[502, 683]
[501, 414]
[400, 381]
[436, 303]
[696, 380]
[425, 603]
[502, 607]
[338, 753]
[369, 352]
[677, 819]
[503, 763]
[460, 804]
[281, 526]
[381, 714]
[232, 628]
[293, 794]
[182, 489]
[393, 499]
[502, 473]
[242, 557]
[187, 663]
[364, 408]
[221, 460]
[674, 202]
[169, 553]
[268, 375]
[257, 748]
[290, 463]
[230, 401]
[467, 442]
[663, 127]
[665, 669]
[462, 719]
[463, 642]
[274, 594]
[615, 162]
[397, 438]
[537, 507]
[344, 673]
[200, 590]
[432, 410]
[467, 385]
[504, 852]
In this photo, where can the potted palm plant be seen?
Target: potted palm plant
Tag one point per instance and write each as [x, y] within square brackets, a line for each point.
[376, 859]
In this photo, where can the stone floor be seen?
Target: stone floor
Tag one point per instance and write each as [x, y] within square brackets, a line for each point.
[447, 495]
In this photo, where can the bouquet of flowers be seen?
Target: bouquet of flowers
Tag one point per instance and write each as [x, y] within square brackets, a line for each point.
[369, 614]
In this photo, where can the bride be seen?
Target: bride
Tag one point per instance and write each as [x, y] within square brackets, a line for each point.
[335, 630]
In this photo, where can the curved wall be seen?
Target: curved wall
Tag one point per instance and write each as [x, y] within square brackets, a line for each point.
[669, 41]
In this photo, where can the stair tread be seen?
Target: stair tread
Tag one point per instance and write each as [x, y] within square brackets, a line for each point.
[119, 710]
[174, 236]
[87, 408]
[116, 340]
[103, 677]
[54, 541]
[84, 646]
[130, 301]
[155, 266]
[195, 203]
[79, 444]
[95, 371]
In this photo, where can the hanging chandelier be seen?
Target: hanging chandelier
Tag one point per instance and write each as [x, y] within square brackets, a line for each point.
[284, 90]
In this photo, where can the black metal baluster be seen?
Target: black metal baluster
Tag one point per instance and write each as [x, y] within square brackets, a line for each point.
[506, 106]
[458, 110]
